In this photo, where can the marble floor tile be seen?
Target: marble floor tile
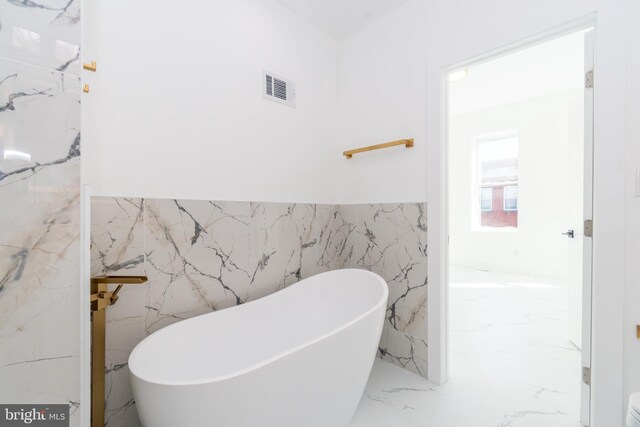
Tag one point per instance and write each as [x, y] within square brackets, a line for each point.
[511, 362]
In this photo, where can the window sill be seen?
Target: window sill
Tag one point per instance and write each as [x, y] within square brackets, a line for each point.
[495, 229]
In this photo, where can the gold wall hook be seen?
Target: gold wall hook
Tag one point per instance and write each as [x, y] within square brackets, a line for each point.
[85, 88]
[90, 67]
[100, 299]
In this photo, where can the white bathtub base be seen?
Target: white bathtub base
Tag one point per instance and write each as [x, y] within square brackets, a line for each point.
[318, 384]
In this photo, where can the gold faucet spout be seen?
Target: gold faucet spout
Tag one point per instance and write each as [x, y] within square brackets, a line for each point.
[120, 280]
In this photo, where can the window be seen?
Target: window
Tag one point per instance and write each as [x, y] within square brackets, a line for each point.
[496, 183]
[486, 199]
[511, 198]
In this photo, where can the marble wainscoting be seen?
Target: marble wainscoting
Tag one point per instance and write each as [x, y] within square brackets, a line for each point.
[202, 256]
[117, 248]
[391, 240]
[40, 255]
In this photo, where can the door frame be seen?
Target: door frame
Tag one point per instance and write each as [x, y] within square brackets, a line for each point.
[438, 291]
[587, 211]
[85, 311]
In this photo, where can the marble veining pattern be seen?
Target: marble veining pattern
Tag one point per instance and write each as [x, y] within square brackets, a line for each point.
[117, 236]
[45, 33]
[404, 350]
[197, 258]
[337, 236]
[202, 256]
[391, 240]
[290, 242]
[117, 248]
[39, 232]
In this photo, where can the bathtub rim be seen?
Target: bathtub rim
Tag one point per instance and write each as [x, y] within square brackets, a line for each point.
[238, 372]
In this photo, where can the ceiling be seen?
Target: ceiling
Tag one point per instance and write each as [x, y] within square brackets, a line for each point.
[545, 69]
[339, 18]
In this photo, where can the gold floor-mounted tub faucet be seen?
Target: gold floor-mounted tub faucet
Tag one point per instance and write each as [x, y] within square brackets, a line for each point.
[101, 298]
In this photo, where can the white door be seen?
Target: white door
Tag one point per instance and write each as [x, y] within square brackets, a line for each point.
[580, 198]
[575, 219]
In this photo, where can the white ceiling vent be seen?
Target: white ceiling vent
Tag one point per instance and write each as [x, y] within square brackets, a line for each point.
[279, 89]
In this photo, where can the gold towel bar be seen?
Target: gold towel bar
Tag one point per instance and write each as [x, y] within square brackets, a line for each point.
[406, 142]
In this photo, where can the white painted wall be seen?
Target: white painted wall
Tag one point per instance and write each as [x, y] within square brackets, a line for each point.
[544, 130]
[175, 109]
[391, 76]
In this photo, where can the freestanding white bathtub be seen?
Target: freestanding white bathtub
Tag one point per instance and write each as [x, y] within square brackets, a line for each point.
[299, 357]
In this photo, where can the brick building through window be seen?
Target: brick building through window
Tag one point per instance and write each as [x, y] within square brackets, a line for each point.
[497, 182]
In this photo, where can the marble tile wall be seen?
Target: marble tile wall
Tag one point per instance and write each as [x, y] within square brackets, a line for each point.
[202, 256]
[40, 203]
[117, 248]
[391, 240]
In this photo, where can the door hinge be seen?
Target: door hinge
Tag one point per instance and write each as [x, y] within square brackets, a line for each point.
[586, 375]
[588, 79]
[588, 228]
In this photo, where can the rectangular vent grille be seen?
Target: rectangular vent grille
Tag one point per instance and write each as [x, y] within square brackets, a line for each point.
[269, 85]
[279, 89]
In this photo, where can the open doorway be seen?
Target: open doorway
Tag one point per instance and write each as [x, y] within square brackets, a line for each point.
[519, 191]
